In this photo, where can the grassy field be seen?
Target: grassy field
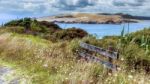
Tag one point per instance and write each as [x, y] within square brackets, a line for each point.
[48, 62]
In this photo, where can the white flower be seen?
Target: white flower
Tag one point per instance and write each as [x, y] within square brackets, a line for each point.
[141, 81]
[109, 74]
[118, 68]
[69, 74]
[115, 74]
[45, 65]
[114, 80]
[122, 59]
[130, 76]
[132, 71]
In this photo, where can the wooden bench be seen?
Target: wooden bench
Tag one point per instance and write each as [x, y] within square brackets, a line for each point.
[109, 53]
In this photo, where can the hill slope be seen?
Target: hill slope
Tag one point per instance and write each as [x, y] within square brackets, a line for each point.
[56, 63]
[47, 62]
[89, 18]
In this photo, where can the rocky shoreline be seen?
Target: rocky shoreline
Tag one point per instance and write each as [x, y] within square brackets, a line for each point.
[92, 22]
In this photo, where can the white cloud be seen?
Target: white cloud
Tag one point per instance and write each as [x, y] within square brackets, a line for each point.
[47, 7]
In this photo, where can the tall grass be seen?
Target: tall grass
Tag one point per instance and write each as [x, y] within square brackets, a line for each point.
[56, 63]
[46, 62]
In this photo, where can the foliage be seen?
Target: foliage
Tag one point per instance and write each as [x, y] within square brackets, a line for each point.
[33, 25]
[70, 33]
[44, 29]
[135, 49]
[55, 63]
[48, 62]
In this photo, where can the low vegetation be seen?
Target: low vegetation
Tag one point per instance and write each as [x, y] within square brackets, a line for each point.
[43, 29]
[46, 61]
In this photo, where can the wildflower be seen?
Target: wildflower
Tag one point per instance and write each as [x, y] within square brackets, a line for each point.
[109, 74]
[118, 68]
[134, 80]
[91, 81]
[99, 75]
[130, 76]
[114, 80]
[45, 65]
[40, 61]
[106, 80]
[66, 78]
[122, 59]
[69, 74]
[115, 75]
[141, 81]
[132, 71]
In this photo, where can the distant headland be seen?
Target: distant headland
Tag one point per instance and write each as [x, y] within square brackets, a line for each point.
[94, 18]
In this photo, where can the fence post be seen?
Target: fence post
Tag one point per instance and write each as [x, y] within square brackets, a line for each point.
[110, 49]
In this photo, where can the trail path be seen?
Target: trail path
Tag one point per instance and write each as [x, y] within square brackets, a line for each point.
[8, 76]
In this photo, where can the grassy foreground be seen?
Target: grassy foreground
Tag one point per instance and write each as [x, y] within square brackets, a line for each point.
[48, 62]
[55, 63]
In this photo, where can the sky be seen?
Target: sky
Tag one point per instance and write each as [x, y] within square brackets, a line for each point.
[12, 9]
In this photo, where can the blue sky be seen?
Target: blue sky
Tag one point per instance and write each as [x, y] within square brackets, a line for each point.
[12, 9]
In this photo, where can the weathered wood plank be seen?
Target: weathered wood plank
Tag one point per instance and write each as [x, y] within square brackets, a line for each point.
[96, 59]
[99, 50]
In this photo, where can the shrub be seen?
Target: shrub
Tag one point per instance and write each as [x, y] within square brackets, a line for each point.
[139, 36]
[45, 29]
[26, 23]
[17, 29]
[12, 23]
[69, 34]
[34, 26]
[135, 49]
[49, 25]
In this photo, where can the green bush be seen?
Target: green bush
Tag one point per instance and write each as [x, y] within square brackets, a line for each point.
[139, 36]
[71, 33]
[44, 29]
[135, 49]
[33, 25]
[49, 25]
[17, 29]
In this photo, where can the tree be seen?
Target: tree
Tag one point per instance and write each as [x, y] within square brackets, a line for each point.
[27, 23]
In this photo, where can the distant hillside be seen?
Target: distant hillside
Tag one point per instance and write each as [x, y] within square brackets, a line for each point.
[90, 18]
[133, 17]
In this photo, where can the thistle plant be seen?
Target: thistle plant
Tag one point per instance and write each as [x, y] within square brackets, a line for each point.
[145, 44]
[147, 50]
[123, 31]
[124, 38]
[143, 41]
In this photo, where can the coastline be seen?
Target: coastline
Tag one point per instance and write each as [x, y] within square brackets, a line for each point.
[94, 22]
[84, 18]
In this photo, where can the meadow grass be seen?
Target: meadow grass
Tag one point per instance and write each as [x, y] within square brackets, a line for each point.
[46, 62]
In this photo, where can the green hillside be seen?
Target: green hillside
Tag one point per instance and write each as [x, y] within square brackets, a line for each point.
[47, 54]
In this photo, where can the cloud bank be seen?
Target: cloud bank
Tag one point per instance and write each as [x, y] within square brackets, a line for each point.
[47, 7]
